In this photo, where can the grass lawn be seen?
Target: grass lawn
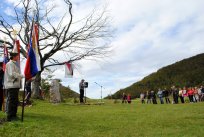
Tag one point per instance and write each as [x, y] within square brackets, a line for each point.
[109, 120]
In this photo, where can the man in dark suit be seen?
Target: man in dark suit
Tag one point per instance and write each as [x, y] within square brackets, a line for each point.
[81, 90]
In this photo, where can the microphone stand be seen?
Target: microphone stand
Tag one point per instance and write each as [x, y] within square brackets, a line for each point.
[101, 89]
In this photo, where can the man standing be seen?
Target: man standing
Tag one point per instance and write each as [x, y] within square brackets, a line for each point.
[142, 98]
[124, 98]
[153, 97]
[12, 83]
[175, 94]
[166, 94]
[160, 95]
[81, 90]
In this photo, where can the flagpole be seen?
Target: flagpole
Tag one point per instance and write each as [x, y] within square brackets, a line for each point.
[3, 103]
[22, 114]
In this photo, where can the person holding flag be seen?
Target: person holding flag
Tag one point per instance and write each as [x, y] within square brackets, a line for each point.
[12, 83]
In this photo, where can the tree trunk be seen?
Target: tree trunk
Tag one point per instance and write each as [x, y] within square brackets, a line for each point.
[36, 84]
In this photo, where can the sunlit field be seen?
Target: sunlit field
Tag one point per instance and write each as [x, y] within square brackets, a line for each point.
[107, 120]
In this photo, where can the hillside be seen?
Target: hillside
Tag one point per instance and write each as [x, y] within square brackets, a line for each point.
[188, 72]
[67, 92]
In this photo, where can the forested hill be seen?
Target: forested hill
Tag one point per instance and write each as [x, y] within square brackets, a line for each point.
[66, 92]
[188, 72]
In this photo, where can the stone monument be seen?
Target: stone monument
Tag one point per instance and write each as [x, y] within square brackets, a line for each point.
[55, 96]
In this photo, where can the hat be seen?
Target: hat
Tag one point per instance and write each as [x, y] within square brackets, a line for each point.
[13, 54]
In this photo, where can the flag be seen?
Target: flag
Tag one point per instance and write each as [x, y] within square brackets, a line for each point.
[68, 69]
[32, 66]
[35, 45]
[6, 57]
[16, 49]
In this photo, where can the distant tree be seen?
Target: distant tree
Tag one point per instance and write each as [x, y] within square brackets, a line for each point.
[46, 80]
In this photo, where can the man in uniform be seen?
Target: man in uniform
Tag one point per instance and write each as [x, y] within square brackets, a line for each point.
[12, 83]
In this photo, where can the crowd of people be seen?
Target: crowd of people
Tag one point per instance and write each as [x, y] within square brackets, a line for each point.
[178, 95]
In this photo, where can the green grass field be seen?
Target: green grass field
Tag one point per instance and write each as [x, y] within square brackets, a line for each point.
[109, 120]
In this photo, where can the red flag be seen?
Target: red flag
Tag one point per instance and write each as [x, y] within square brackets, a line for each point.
[68, 69]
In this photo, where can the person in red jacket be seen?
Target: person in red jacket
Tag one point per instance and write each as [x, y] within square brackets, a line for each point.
[129, 98]
[190, 94]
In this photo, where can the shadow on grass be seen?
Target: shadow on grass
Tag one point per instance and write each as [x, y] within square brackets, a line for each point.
[2, 121]
[84, 104]
[33, 117]
[44, 117]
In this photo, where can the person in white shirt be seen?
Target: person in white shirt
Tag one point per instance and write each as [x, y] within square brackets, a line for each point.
[12, 83]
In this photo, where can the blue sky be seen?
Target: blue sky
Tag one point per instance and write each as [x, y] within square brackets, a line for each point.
[149, 34]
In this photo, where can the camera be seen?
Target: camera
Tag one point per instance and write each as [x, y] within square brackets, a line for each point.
[86, 84]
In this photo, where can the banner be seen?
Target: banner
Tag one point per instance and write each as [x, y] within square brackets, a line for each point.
[68, 70]
[6, 57]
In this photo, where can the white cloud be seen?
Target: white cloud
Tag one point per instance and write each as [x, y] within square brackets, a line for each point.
[14, 2]
[149, 35]
[9, 11]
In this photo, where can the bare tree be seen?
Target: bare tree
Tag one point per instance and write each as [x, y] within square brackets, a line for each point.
[57, 35]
